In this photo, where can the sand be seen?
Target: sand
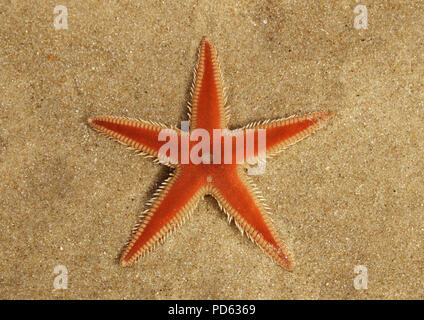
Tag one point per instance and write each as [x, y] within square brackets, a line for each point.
[352, 194]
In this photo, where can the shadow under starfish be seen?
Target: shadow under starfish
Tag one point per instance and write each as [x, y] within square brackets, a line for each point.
[190, 181]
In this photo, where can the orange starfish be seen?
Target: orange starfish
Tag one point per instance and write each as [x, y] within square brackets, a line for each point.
[227, 181]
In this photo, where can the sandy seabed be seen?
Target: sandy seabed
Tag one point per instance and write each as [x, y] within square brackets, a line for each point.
[352, 194]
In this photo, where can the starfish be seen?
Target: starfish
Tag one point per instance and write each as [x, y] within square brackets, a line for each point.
[227, 181]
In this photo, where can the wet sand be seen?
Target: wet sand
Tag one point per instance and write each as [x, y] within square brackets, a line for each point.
[352, 194]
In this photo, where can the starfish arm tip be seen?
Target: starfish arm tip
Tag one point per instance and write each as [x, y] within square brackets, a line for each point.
[328, 115]
[92, 121]
[283, 258]
[206, 39]
[321, 116]
[290, 266]
[286, 262]
[124, 263]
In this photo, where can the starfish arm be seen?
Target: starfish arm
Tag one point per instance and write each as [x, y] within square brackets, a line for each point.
[172, 203]
[140, 135]
[282, 133]
[240, 199]
[207, 107]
